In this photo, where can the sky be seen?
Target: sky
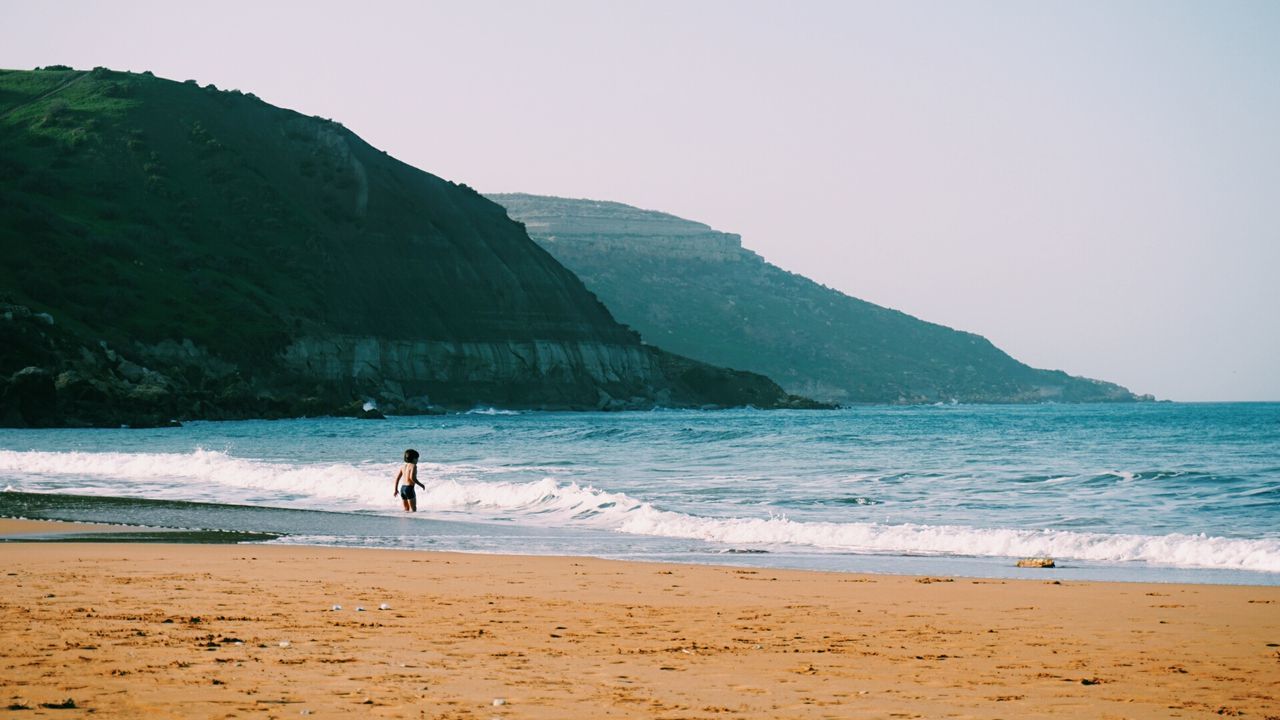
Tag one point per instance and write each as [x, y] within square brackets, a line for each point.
[1093, 186]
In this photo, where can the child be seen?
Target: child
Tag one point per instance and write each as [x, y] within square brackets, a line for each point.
[409, 473]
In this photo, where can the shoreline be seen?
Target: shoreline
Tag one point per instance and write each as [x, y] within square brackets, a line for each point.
[12, 528]
[25, 530]
[156, 423]
[127, 629]
[44, 530]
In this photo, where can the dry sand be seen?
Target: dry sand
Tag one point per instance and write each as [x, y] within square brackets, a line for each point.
[199, 631]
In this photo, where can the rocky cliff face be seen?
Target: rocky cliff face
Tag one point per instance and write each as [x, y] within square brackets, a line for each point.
[204, 254]
[601, 227]
[400, 372]
[694, 290]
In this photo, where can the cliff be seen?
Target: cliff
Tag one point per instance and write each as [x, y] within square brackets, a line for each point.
[177, 251]
[698, 292]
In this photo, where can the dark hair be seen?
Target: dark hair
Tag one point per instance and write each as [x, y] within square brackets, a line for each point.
[411, 456]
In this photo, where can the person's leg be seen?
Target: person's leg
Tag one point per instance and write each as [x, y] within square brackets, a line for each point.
[413, 502]
[406, 504]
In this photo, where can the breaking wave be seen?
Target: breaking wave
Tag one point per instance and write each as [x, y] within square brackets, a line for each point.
[462, 490]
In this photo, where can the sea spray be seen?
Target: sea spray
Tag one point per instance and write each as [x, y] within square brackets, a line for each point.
[460, 490]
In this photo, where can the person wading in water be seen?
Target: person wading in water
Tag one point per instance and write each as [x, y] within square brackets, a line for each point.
[406, 478]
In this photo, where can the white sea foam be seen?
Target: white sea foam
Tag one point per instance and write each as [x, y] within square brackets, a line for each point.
[1176, 549]
[458, 489]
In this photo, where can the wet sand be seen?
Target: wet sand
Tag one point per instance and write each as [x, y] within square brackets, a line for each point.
[11, 528]
[200, 631]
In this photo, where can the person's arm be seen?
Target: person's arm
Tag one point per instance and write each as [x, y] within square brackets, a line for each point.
[396, 490]
[415, 478]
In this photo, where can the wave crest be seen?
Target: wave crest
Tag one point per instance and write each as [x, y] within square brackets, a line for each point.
[210, 475]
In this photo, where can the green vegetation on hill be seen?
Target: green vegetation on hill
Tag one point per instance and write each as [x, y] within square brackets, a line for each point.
[201, 253]
[136, 199]
[696, 291]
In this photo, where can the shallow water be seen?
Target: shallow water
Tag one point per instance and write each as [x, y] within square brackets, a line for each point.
[1144, 492]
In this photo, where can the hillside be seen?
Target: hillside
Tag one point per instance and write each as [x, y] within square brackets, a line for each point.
[177, 251]
[698, 292]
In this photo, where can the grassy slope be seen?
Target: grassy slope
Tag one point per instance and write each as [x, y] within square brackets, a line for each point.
[755, 316]
[136, 208]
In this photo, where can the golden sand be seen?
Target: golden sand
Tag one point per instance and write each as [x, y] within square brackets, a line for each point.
[126, 630]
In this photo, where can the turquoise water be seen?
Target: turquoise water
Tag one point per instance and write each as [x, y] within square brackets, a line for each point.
[1145, 492]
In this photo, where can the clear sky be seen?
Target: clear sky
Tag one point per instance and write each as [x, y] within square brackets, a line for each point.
[1094, 186]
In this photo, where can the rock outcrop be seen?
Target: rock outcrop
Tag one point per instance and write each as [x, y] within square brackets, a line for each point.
[698, 292]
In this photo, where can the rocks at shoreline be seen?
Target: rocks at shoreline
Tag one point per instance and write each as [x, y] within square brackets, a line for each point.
[97, 385]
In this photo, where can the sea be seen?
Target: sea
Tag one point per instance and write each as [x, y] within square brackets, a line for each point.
[1152, 492]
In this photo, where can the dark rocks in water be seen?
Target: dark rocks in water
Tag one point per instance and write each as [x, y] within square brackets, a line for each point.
[697, 292]
[139, 423]
[252, 262]
[29, 399]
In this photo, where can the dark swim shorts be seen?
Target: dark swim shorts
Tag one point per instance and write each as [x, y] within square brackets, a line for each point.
[407, 493]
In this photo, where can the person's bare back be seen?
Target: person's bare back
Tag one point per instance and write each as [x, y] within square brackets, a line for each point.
[406, 479]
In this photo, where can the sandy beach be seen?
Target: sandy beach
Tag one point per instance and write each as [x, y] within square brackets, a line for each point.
[221, 631]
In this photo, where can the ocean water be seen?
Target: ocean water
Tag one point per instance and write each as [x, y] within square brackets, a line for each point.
[1151, 492]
